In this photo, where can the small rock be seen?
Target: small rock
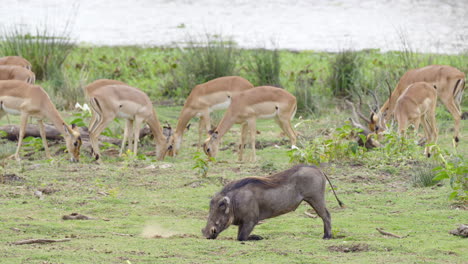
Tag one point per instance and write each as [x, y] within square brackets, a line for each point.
[462, 230]
[150, 167]
[165, 166]
[39, 195]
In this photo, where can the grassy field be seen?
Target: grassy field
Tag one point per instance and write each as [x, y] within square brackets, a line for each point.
[145, 211]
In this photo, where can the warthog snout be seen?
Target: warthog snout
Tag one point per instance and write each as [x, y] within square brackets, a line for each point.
[210, 233]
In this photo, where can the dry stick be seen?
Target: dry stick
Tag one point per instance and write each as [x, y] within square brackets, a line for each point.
[40, 241]
[387, 233]
[310, 215]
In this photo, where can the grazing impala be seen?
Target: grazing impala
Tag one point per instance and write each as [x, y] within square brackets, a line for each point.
[14, 72]
[418, 103]
[205, 98]
[246, 107]
[130, 103]
[450, 83]
[20, 98]
[15, 60]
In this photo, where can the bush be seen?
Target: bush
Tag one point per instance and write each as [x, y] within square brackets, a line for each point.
[200, 62]
[306, 103]
[265, 65]
[345, 71]
[45, 50]
[423, 175]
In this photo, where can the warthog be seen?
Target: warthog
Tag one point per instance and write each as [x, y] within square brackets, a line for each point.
[247, 201]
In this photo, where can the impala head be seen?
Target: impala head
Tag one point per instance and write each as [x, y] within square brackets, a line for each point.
[210, 147]
[220, 217]
[368, 129]
[73, 142]
[173, 145]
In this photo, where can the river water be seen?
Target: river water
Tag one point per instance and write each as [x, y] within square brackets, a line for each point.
[439, 26]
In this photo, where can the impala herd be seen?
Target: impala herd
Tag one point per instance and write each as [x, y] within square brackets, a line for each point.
[413, 101]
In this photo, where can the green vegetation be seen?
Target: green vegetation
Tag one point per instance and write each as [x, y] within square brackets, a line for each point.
[147, 211]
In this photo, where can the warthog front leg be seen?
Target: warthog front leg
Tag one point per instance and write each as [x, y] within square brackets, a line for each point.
[244, 231]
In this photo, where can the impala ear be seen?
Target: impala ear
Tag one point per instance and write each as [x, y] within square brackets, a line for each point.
[67, 129]
[214, 135]
[374, 118]
[75, 127]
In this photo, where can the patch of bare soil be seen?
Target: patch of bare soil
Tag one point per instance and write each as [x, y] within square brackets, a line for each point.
[349, 248]
[11, 178]
[76, 216]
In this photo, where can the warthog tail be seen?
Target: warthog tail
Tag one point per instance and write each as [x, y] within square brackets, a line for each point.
[333, 189]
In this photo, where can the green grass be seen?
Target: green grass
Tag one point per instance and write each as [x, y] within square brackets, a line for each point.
[132, 203]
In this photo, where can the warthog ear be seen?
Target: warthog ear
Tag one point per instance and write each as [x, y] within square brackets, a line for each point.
[224, 204]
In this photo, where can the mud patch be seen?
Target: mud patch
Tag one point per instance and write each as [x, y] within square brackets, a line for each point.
[11, 178]
[349, 248]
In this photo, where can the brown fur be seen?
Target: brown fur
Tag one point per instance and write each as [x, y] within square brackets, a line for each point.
[15, 60]
[245, 108]
[418, 103]
[268, 182]
[14, 72]
[201, 99]
[450, 84]
[31, 100]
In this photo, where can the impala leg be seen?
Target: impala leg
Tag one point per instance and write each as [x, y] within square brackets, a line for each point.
[454, 109]
[128, 125]
[101, 124]
[44, 137]
[285, 125]
[136, 133]
[23, 122]
[252, 126]
[244, 135]
[204, 125]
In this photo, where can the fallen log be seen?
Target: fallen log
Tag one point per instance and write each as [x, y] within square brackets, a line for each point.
[40, 241]
[12, 133]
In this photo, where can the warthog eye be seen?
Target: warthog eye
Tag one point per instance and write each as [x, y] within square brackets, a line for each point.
[75, 144]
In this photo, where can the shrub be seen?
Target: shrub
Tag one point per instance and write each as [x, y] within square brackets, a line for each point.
[265, 65]
[423, 175]
[344, 72]
[201, 61]
[45, 50]
[305, 97]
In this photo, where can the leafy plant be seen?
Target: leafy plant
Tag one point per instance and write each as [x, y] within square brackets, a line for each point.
[457, 173]
[423, 175]
[201, 163]
[340, 145]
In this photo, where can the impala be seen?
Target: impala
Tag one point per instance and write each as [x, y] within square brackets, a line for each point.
[15, 60]
[130, 103]
[14, 72]
[418, 103]
[246, 107]
[205, 98]
[450, 83]
[20, 98]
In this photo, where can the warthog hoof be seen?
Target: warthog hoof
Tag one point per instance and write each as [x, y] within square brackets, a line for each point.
[255, 237]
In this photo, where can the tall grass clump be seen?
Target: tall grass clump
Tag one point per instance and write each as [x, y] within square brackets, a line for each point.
[345, 69]
[306, 98]
[423, 175]
[202, 60]
[46, 50]
[265, 65]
